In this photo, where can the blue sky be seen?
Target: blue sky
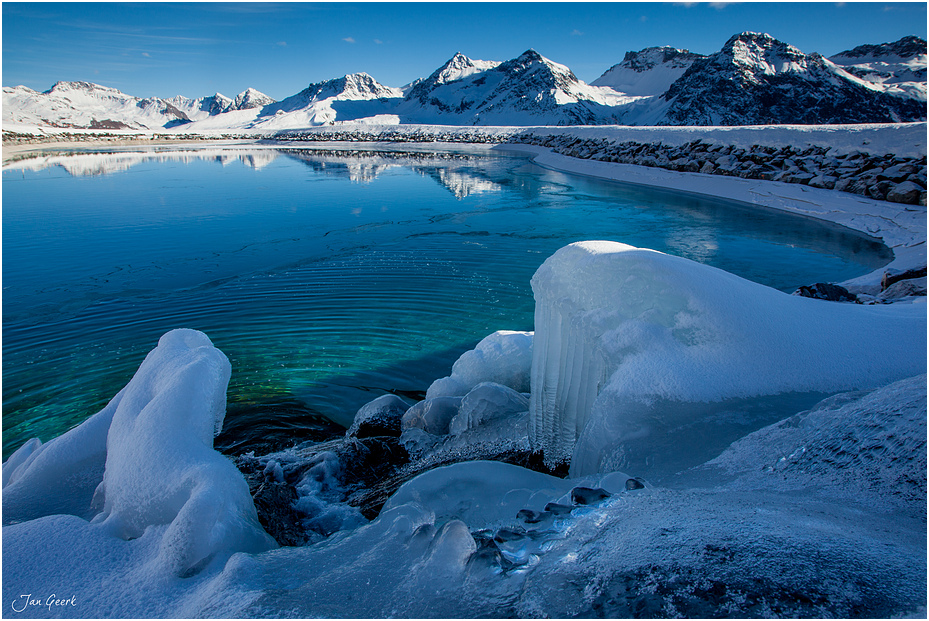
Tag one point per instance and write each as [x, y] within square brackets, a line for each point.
[196, 49]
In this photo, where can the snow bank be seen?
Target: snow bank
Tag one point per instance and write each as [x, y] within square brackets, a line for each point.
[626, 338]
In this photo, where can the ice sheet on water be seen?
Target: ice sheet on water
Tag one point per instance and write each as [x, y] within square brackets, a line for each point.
[625, 336]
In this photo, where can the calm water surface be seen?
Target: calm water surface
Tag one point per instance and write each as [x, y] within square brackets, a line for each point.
[327, 277]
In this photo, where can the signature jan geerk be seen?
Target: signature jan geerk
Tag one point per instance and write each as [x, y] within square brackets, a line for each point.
[28, 601]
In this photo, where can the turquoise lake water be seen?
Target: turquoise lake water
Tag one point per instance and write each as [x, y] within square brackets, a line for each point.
[327, 277]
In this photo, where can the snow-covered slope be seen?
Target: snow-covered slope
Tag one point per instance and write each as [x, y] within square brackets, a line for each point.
[648, 72]
[87, 105]
[898, 67]
[757, 80]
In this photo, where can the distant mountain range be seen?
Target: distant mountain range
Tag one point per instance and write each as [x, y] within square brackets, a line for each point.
[753, 80]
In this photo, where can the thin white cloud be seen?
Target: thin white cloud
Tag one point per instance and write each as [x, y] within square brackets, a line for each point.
[146, 55]
[348, 40]
[378, 41]
[282, 43]
[576, 33]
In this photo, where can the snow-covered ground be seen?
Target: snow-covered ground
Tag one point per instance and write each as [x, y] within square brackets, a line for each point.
[821, 514]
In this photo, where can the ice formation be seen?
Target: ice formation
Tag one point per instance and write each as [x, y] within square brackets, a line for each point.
[147, 460]
[820, 515]
[628, 339]
[503, 357]
[484, 403]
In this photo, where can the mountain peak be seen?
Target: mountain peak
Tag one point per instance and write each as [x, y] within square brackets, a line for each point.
[650, 71]
[250, 98]
[530, 56]
[63, 86]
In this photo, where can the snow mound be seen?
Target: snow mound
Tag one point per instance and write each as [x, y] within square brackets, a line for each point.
[155, 443]
[504, 357]
[631, 343]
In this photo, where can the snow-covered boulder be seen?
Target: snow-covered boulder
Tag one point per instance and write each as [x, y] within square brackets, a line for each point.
[638, 355]
[504, 357]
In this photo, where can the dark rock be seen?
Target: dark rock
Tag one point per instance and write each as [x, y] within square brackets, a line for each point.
[823, 181]
[892, 277]
[906, 192]
[826, 291]
[912, 287]
[632, 484]
[588, 496]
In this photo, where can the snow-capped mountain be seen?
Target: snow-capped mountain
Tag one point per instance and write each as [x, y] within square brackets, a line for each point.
[91, 106]
[201, 107]
[898, 67]
[87, 105]
[351, 97]
[529, 89]
[648, 72]
[754, 79]
[757, 80]
[250, 98]
[204, 107]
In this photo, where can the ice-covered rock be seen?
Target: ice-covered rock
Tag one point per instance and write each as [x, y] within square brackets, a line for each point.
[431, 415]
[380, 417]
[852, 446]
[638, 355]
[504, 357]
[487, 402]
